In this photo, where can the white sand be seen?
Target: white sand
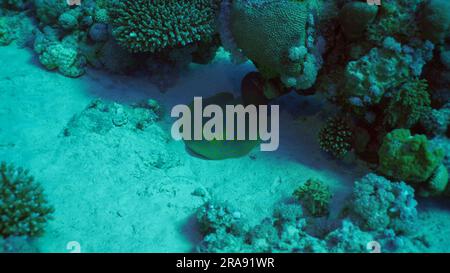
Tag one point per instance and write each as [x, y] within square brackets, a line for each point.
[107, 194]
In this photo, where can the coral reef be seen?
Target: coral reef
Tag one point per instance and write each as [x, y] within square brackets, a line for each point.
[368, 79]
[379, 204]
[225, 230]
[24, 210]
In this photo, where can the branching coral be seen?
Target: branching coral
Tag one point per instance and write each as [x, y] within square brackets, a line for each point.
[408, 158]
[408, 104]
[397, 19]
[336, 137]
[315, 197]
[151, 26]
[23, 207]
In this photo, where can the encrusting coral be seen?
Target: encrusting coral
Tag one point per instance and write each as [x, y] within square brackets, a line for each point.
[378, 204]
[63, 56]
[368, 79]
[24, 210]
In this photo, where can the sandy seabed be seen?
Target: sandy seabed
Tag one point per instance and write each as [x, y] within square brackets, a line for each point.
[108, 193]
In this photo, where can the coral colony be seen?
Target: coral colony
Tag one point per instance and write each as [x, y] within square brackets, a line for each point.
[379, 72]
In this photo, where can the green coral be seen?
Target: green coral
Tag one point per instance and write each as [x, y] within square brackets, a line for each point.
[48, 11]
[23, 207]
[336, 137]
[278, 37]
[315, 197]
[408, 158]
[153, 25]
[61, 55]
[397, 18]
[408, 105]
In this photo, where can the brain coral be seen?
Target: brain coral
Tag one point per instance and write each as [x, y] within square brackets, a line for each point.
[278, 37]
[153, 25]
